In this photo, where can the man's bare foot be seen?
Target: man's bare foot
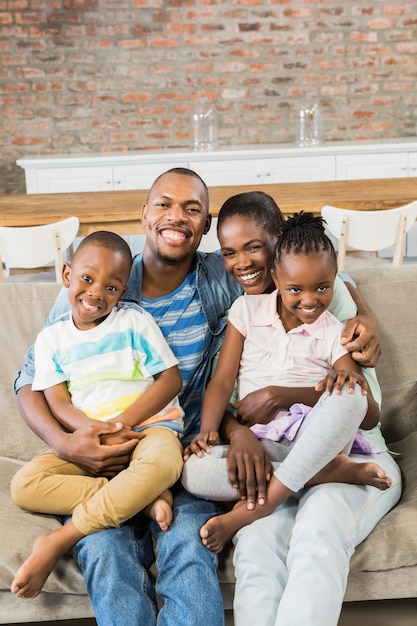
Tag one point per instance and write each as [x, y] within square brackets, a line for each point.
[342, 469]
[160, 510]
[32, 575]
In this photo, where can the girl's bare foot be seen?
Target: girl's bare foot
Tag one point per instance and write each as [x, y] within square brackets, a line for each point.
[32, 575]
[369, 474]
[160, 510]
[218, 531]
[346, 470]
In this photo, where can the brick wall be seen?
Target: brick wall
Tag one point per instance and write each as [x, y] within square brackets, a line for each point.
[116, 75]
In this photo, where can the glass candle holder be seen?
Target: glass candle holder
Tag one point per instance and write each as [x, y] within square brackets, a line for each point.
[310, 125]
[203, 127]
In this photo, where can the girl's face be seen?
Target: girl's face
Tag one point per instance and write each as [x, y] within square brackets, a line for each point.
[305, 283]
[247, 252]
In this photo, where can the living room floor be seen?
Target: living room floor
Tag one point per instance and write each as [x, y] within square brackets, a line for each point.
[380, 613]
[375, 613]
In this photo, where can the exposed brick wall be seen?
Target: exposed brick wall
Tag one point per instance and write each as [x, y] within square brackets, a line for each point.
[106, 75]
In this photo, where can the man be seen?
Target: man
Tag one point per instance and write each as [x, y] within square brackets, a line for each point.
[188, 293]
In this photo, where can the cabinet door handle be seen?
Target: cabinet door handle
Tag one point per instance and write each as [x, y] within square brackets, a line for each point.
[118, 182]
[108, 182]
[263, 175]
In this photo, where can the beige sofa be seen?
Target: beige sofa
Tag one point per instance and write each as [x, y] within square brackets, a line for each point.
[384, 566]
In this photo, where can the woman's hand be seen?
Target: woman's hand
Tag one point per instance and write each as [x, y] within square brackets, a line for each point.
[258, 407]
[249, 466]
[201, 442]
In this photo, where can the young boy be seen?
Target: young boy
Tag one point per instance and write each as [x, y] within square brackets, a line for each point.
[101, 361]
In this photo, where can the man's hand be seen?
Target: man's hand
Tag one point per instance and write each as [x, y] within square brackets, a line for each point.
[123, 434]
[361, 333]
[361, 338]
[249, 466]
[85, 447]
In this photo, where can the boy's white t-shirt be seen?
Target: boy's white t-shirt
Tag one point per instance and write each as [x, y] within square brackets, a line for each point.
[106, 367]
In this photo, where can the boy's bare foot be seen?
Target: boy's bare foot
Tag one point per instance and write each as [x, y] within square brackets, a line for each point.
[32, 575]
[160, 510]
[345, 470]
[46, 552]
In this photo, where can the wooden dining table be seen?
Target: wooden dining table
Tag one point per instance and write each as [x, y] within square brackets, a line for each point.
[119, 211]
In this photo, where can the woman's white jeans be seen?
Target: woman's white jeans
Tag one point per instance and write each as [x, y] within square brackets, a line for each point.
[292, 566]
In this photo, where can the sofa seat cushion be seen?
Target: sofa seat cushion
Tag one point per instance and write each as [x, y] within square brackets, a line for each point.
[393, 542]
[19, 530]
[23, 311]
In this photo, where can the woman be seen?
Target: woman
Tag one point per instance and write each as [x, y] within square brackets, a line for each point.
[291, 567]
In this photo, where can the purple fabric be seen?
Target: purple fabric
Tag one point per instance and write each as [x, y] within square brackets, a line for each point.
[362, 445]
[287, 423]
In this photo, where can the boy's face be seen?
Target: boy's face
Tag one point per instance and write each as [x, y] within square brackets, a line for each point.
[247, 251]
[176, 217]
[96, 280]
[305, 283]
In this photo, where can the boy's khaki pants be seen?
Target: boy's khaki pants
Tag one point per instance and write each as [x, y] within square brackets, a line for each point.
[47, 484]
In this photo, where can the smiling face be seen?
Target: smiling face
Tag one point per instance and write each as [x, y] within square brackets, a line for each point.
[96, 280]
[247, 251]
[176, 217]
[305, 283]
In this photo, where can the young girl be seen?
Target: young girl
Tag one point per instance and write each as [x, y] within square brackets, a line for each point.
[289, 340]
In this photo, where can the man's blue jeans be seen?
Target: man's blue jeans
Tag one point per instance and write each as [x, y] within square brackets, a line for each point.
[115, 564]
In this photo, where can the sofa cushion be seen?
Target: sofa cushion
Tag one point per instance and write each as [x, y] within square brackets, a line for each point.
[393, 542]
[23, 311]
[391, 294]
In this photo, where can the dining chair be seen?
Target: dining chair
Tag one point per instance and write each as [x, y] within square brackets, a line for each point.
[368, 232]
[209, 241]
[29, 247]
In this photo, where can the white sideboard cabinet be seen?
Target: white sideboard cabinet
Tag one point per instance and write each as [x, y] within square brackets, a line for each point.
[276, 163]
[137, 170]
[64, 175]
[278, 169]
[376, 165]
